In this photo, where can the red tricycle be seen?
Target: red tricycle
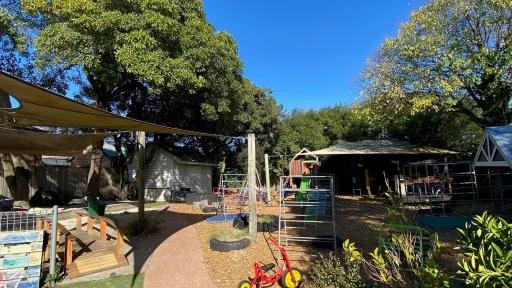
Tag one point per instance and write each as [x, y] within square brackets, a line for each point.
[290, 277]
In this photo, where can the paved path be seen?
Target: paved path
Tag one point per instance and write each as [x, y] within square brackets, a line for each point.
[178, 260]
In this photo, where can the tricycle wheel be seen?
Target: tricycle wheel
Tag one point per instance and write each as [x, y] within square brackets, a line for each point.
[244, 284]
[287, 281]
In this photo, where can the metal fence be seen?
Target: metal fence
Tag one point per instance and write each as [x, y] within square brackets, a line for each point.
[24, 220]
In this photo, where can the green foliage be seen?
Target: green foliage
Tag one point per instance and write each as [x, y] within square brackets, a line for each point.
[450, 56]
[396, 213]
[51, 280]
[335, 272]
[400, 263]
[160, 61]
[16, 50]
[487, 241]
[319, 129]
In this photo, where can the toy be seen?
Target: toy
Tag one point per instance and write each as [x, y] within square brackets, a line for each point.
[290, 277]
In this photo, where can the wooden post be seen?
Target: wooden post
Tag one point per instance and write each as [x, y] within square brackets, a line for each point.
[78, 222]
[267, 179]
[367, 182]
[141, 140]
[68, 252]
[251, 181]
[90, 224]
[103, 230]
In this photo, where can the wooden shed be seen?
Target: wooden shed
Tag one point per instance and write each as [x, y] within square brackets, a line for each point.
[165, 172]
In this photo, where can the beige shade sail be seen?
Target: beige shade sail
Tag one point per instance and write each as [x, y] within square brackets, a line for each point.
[41, 107]
[40, 143]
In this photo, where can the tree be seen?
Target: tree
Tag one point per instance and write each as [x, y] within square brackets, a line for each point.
[315, 130]
[159, 61]
[17, 58]
[450, 56]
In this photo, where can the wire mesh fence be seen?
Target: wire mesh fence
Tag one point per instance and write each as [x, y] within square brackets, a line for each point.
[24, 220]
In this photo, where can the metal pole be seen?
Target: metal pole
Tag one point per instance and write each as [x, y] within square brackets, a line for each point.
[53, 239]
[333, 214]
[267, 178]
[281, 202]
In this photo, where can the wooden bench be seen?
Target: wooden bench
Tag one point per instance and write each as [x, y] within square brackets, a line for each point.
[87, 251]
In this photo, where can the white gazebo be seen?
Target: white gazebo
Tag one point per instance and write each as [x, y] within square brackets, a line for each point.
[495, 149]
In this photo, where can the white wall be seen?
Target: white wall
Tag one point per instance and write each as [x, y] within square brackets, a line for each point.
[165, 171]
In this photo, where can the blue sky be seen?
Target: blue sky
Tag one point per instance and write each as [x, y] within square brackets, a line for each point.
[310, 53]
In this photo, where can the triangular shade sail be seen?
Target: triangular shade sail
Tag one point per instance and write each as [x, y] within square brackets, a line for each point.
[40, 143]
[40, 107]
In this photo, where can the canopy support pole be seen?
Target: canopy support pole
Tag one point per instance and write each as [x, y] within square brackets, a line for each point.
[251, 179]
[141, 144]
[267, 179]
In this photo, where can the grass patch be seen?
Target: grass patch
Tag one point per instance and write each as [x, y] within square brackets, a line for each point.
[229, 234]
[117, 281]
[148, 226]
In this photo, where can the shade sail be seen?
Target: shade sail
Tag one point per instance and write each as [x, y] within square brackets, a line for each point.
[41, 143]
[40, 107]
[376, 147]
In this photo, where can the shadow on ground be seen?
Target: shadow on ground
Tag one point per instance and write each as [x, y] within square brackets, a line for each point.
[143, 246]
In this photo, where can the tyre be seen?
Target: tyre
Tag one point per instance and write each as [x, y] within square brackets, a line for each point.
[226, 246]
[244, 284]
[286, 280]
[209, 209]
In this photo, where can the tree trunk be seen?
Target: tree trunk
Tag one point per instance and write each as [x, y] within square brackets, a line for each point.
[9, 175]
[22, 175]
[93, 179]
[15, 167]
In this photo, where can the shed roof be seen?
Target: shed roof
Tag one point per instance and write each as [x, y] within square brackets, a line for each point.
[376, 147]
[495, 148]
[41, 107]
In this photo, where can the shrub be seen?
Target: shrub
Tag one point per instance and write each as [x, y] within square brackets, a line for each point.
[487, 242]
[335, 272]
[396, 213]
[265, 219]
[52, 280]
[401, 264]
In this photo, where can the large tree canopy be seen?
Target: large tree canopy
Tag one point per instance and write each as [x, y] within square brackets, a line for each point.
[160, 61]
[450, 56]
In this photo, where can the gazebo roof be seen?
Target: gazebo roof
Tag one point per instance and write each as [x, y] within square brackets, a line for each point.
[377, 147]
[495, 149]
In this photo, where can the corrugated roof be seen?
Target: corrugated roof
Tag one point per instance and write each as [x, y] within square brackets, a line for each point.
[378, 147]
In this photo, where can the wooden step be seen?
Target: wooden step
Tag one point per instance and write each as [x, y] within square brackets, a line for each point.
[96, 261]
